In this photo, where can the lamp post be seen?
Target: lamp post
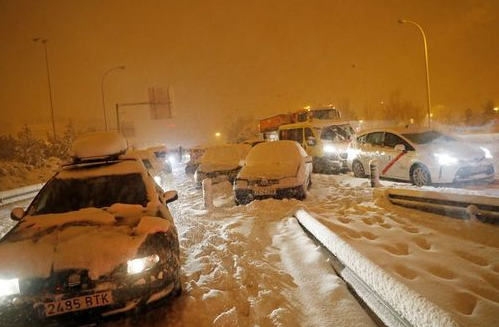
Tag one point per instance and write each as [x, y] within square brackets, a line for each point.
[44, 42]
[403, 21]
[102, 91]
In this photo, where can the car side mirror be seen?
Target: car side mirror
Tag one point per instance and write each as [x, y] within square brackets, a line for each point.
[170, 196]
[17, 213]
[400, 147]
[311, 141]
[308, 159]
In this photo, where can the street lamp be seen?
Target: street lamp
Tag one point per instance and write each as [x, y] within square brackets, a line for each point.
[44, 42]
[102, 91]
[403, 21]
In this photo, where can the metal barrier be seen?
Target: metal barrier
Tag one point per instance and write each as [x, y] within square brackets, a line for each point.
[467, 206]
[19, 194]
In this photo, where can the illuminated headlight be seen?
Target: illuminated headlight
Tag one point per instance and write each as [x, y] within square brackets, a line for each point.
[445, 159]
[157, 179]
[241, 183]
[488, 155]
[171, 159]
[9, 287]
[329, 149]
[136, 266]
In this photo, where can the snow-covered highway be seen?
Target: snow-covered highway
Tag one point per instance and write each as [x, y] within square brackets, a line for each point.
[254, 265]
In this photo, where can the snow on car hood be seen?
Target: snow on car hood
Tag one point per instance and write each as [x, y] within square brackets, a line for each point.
[460, 150]
[91, 238]
[208, 167]
[268, 171]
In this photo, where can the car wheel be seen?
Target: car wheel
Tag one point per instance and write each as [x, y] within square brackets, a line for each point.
[358, 169]
[420, 175]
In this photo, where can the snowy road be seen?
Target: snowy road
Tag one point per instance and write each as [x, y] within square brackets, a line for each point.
[253, 265]
[249, 265]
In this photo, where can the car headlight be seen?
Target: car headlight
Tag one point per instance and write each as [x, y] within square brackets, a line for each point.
[136, 266]
[329, 149]
[445, 159]
[488, 154]
[9, 287]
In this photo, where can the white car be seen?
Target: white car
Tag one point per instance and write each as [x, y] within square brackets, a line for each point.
[420, 156]
[280, 169]
[221, 163]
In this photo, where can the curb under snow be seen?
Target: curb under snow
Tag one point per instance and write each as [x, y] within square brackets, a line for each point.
[416, 309]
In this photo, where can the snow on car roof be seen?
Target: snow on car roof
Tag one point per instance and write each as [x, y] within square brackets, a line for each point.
[283, 151]
[98, 144]
[227, 153]
[116, 168]
[400, 130]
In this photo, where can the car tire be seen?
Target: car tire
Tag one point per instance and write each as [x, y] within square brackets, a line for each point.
[420, 175]
[358, 169]
[302, 193]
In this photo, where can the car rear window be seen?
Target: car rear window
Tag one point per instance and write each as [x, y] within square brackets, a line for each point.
[65, 195]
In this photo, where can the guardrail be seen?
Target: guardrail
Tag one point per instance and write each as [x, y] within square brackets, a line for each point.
[395, 304]
[466, 206]
[19, 194]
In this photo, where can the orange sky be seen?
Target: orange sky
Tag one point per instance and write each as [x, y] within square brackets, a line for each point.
[233, 58]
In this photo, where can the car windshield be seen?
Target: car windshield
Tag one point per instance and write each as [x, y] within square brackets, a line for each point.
[337, 133]
[325, 114]
[65, 195]
[428, 137]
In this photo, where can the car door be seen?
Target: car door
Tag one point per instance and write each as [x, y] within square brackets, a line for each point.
[394, 163]
[372, 149]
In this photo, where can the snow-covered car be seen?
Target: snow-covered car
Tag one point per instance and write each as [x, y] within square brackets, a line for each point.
[420, 156]
[221, 163]
[195, 155]
[98, 239]
[157, 168]
[280, 169]
[161, 155]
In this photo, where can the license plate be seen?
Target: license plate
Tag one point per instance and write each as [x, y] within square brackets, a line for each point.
[78, 303]
[264, 191]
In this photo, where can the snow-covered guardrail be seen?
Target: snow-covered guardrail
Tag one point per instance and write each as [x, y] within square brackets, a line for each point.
[482, 207]
[393, 302]
[19, 194]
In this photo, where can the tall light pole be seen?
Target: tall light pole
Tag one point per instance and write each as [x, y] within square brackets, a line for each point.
[44, 42]
[102, 91]
[403, 21]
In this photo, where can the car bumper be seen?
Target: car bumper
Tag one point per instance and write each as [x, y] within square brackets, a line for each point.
[246, 195]
[457, 174]
[124, 296]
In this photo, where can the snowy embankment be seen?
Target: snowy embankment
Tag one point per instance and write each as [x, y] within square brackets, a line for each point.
[14, 174]
[450, 262]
